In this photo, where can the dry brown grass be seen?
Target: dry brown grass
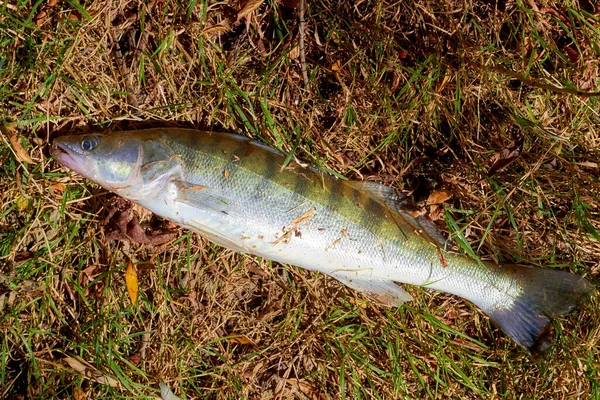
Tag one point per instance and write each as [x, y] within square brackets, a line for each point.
[414, 94]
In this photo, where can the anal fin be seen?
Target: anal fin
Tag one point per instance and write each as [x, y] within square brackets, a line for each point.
[384, 291]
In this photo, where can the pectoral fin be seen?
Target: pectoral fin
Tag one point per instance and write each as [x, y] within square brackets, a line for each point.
[215, 238]
[201, 197]
[194, 201]
[384, 291]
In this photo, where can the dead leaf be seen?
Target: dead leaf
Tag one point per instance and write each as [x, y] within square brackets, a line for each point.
[551, 165]
[587, 164]
[293, 386]
[262, 46]
[135, 359]
[438, 197]
[39, 19]
[90, 372]
[23, 256]
[22, 203]
[435, 212]
[573, 54]
[219, 28]
[20, 152]
[89, 272]
[131, 280]
[241, 339]
[248, 8]
[294, 53]
[58, 189]
[505, 157]
[78, 393]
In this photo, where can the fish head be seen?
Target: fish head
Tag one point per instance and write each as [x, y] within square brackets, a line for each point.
[111, 161]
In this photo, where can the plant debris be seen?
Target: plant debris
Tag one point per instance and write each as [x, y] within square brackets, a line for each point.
[123, 224]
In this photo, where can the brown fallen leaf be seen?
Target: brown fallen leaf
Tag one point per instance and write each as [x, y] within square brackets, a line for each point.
[438, 197]
[240, 339]
[78, 393]
[39, 18]
[587, 164]
[289, 388]
[435, 212]
[20, 152]
[505, 157]
[131, 281]
[90, 372]
[294, 53]
[135, 359]
[58, 189]
[248, 8]
[122, 224]
[219, 28]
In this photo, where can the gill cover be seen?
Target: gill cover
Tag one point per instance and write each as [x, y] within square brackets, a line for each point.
[116, 159]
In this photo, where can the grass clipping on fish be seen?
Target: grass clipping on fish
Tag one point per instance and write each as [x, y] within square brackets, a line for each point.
[404, 94]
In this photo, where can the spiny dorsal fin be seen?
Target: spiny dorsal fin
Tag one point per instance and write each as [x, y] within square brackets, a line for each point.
[401, 206]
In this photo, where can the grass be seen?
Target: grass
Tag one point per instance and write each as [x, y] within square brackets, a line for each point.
[417, 95]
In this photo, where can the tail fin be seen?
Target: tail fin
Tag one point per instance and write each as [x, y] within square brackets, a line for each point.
[545, 294]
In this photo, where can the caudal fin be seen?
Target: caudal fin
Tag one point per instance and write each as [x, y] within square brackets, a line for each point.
[545, 294]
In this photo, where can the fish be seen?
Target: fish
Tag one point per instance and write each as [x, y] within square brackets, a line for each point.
[242, 195]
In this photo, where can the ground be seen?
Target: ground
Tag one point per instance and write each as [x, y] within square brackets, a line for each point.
[484, 112]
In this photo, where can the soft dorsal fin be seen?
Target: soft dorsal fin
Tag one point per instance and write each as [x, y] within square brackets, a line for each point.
[385, 194]
[400, 206]
[432, 230]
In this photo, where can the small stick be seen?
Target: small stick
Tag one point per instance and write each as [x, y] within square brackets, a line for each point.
[302, 29]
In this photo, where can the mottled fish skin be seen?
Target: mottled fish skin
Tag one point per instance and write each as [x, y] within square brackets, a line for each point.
[236, 192]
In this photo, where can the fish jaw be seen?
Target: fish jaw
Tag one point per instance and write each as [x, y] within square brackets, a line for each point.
[63, 151]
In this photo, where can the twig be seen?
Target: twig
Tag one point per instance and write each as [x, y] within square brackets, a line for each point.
[302, 29]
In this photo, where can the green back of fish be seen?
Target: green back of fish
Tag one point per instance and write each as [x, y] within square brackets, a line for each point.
[225, 154]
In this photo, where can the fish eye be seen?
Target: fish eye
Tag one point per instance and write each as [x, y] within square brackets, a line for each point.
[89, 143]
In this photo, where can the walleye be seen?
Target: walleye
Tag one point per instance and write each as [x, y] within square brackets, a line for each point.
[237, 193]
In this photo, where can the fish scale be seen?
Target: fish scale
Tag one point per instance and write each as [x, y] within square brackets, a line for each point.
[237, 193]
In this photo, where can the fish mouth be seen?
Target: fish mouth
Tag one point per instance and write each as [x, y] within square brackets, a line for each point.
[56, 149]
[61, 153]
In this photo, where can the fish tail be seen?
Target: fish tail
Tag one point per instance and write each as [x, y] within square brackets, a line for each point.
[544, 294]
